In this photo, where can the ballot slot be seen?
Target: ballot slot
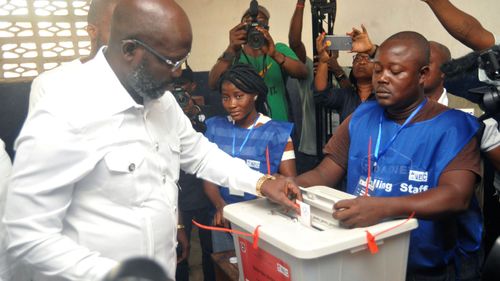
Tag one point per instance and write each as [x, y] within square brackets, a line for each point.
[321, 201]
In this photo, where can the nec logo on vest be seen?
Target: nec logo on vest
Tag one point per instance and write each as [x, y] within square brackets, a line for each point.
[418, 176]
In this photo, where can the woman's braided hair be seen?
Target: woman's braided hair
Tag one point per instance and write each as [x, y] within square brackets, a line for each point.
[245, 78]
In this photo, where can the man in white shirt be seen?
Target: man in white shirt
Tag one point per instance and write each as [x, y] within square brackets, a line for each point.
[94, 179]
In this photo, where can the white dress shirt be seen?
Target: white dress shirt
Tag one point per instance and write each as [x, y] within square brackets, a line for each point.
[37, 92]
[95, 176]
[5, 167]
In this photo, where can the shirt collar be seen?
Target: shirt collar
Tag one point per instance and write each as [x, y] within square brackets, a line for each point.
[114, 96]
[443, 99]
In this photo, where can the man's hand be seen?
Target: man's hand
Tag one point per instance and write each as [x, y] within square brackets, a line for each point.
[361, 42]
[359, 212]
[269, 48]
[283, 191]
[183, 241]
[237, 37]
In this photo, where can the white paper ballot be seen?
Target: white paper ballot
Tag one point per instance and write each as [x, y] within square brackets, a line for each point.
[305, 213]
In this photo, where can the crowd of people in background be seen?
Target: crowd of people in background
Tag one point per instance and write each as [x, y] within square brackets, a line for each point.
[75, 176]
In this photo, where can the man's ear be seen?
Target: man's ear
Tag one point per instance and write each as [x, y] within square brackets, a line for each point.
[424, 74]
[92, 31]
[128, 49]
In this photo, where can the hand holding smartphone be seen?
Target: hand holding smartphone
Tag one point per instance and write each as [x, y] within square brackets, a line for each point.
[338, 42]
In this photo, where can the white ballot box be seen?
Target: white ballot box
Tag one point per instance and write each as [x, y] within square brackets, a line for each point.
[290, 250]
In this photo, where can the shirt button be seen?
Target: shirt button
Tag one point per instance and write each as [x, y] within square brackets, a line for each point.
[157, 146]
[164, 179]
[131, 167]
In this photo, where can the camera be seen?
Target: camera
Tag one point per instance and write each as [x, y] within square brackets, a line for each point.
[479, 72]
[255, 39]
[181, 96]
[193, 112]
[489, 73]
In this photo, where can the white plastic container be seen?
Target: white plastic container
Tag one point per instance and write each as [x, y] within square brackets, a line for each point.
[289, 250]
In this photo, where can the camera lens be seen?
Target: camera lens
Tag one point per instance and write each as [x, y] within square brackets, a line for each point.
[181, 97]
[255, 39]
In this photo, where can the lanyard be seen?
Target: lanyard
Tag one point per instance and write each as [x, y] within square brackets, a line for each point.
[246, 137]
[378, 154]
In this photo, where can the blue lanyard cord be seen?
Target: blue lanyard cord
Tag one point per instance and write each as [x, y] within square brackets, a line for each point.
[246, 137]
[377, 155]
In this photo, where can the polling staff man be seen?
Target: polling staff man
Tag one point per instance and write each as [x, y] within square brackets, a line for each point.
[423, 157]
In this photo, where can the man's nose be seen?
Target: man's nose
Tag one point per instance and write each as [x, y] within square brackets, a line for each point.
[380, 77]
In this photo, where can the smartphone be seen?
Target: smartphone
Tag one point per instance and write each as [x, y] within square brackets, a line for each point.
[338, 42]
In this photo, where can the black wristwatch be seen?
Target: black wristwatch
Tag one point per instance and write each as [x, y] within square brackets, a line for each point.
[227, 56]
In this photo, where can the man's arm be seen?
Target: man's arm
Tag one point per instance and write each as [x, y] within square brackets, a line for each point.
[321, 77]
[327, 63]
[452, 195]
[361, 42]
[327, 173]
[462, 26]
[295, 31]
[332, 168]
[237, 37]
[50, 159]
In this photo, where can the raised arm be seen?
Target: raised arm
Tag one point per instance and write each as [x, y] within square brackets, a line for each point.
[237, 37]
[295, 32]
[361, 42]
[321, 77]
[462, 26]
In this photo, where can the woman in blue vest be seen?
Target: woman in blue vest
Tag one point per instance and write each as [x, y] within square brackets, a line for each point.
[246, 133]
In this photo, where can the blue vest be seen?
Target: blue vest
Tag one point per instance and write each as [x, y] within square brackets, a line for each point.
[273, 135]
[413, 164]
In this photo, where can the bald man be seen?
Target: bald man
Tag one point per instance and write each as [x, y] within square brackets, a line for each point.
[94, 179]
[434, 85]
[98, 20]
[425, 160]
[99, 23]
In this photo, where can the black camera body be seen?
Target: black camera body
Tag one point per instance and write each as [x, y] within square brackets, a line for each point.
[255, 38]
[480, 71]
[489, 65]
[181, 96]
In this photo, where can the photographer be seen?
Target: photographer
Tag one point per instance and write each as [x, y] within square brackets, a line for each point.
[272, 61]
